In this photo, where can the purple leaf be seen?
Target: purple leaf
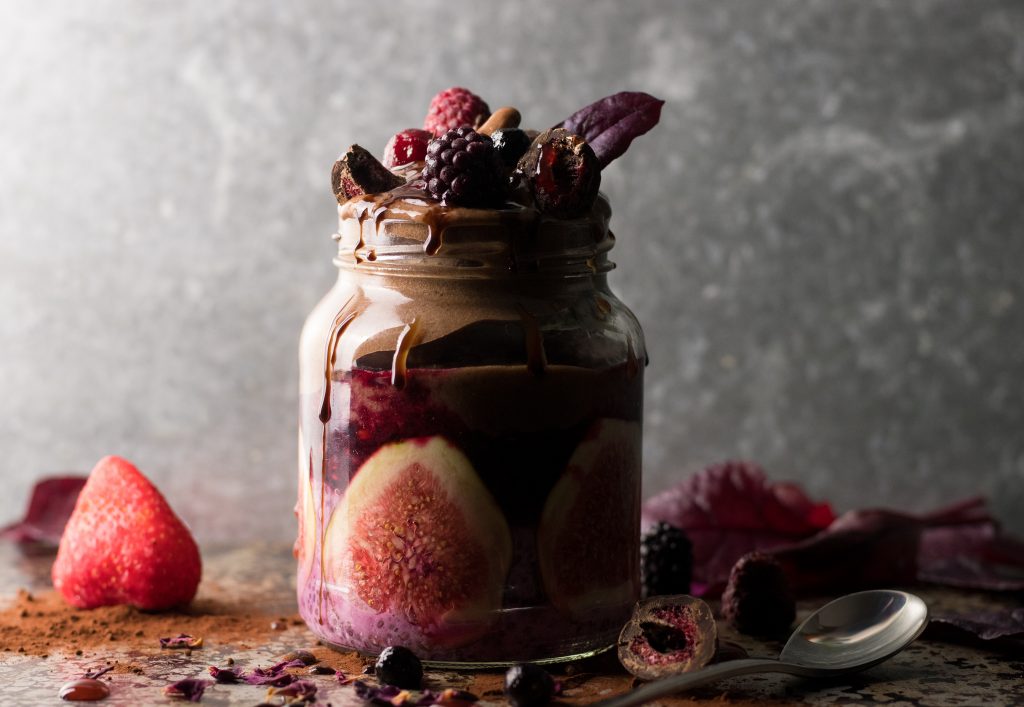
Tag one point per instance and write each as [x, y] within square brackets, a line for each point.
[49, 508]
[190, 689]
[611, 124]
[986, 625]
[957, 546]
[730, 509]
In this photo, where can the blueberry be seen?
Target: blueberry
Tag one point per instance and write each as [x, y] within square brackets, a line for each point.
[511, 144]
[528, 685]
[399, 666]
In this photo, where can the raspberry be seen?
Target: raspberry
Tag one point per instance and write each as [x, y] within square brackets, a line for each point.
[666, 561]
[757, 600]
[463, 169]
[410, 145]
[454, 107]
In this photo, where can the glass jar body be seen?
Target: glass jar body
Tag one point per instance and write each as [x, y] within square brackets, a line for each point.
[469, 466]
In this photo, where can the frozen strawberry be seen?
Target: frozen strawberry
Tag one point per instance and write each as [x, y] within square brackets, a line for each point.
[124, 545]
[453, 108]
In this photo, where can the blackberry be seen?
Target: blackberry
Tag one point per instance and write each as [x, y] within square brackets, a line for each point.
[463, 169]
[529, 685]
[399, 666]
[666, 561]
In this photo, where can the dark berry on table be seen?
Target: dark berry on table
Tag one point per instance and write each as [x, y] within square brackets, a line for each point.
[757, 600]
[405, 147]
[528, 685]
[454, 107]
[666, 561]
[399, 666]
[562, 172]
[511, 144]
[462, 169]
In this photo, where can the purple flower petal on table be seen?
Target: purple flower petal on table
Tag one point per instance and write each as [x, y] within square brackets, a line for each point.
[227, 676]
[52, 501]
[181, 641]
[190, 689]
[610, 124]
[298, 691]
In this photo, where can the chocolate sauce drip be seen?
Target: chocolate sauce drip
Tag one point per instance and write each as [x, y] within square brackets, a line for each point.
[536, 358]
[341, 323]
[406, 340]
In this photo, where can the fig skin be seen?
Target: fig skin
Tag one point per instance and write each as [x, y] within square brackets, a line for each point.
[419, 503]
[586, 543]
[668, 635]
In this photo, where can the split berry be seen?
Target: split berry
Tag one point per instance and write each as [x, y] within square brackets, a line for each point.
[454, 107]
[528, 685]
[399, 666]
[410, 145]
[462, 168]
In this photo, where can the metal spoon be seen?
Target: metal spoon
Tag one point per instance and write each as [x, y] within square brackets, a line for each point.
[849, 634]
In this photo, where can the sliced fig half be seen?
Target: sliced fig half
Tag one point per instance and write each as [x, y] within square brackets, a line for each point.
[587, 542]
[419, 537]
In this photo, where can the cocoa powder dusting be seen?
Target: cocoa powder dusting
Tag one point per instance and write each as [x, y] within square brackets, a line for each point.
[43, 624]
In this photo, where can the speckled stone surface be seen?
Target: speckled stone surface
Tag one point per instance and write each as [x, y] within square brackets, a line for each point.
[928, 673]
[823, 239]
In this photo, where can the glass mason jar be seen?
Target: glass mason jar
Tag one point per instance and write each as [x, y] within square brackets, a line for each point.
[469, 439]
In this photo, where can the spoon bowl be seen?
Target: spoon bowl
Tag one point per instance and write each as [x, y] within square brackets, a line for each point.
[851, 633]
[857, 631]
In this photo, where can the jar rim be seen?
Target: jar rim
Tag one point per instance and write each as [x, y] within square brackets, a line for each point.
[404, 234]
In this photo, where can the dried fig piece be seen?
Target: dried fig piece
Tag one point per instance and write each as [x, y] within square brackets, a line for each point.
[668, 635]
[562, 172]
[357, 172]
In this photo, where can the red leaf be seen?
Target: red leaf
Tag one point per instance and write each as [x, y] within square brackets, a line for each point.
[611, 124]
[730, 509]
[49, 508]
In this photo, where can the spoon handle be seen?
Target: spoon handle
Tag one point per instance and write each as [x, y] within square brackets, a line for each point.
[685, 681]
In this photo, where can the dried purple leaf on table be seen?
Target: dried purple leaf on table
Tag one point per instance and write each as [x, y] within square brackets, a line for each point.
[986, 625]
[964, 546]
[49, 508]
[730, 509]
[298, 691]
[181, 641]
[227, 676]
[190, 689]
[610, 124]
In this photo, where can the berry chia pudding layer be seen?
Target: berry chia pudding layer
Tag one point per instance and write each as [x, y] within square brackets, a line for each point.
[471, 396]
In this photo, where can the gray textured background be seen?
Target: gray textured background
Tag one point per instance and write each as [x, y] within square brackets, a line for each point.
[823, 239]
